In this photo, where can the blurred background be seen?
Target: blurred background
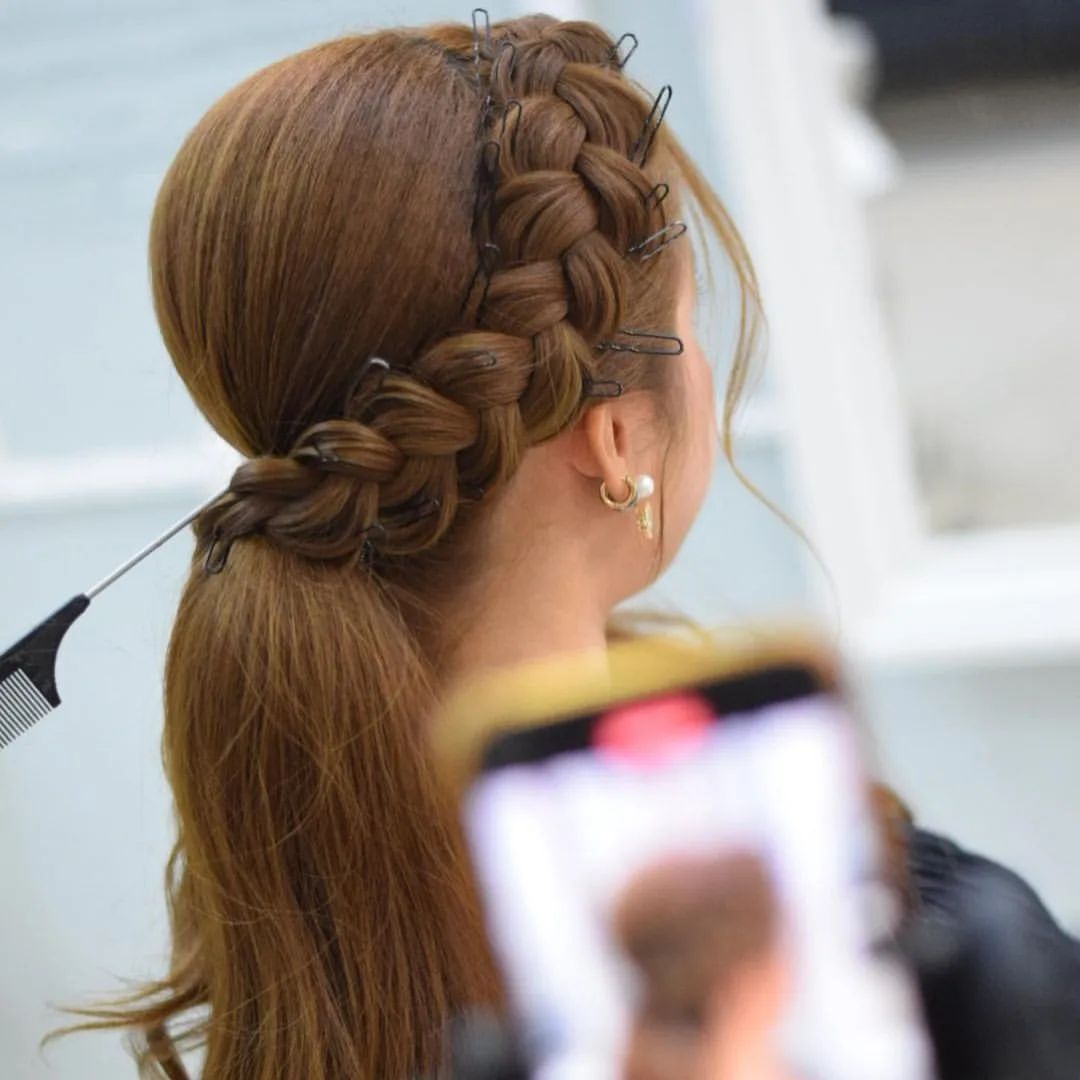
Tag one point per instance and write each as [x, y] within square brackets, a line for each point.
[907, 174]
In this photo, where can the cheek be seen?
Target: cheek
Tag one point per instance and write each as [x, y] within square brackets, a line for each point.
[706, 397]
[691, 464]
[701, 436]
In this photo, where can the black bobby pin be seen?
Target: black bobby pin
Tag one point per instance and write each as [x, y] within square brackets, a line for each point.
[490, 154]
[376, 362]
[512, 105]
[425, 508]
[489, 159]
[487, 107]
[618, 60]
[674, 343]
[321, 454]
[368, 550]
[602, 388]
[497, 63]
[325, 456]
[657, 195]
[217, 554]
[318, 453]
[651, 246]
[639, 154]
[489, 256]
[372, 363]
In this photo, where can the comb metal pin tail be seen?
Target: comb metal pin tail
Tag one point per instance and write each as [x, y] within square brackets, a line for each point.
[28, 669]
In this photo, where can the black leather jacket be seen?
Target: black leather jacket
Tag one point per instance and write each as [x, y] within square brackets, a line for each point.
[1000, 979]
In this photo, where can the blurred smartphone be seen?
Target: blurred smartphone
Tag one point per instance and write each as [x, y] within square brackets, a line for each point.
[757, 755]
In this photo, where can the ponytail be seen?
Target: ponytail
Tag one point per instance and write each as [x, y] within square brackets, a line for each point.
[318, 891]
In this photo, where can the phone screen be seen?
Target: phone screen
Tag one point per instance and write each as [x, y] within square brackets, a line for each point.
[562, 816]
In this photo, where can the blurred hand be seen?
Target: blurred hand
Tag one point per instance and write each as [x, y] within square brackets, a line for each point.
[702, 933]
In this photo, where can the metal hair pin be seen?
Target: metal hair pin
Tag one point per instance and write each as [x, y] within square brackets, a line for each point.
[423, 507]
[480, 12]
[602, 388]
[651, 246]
[490, 154]
[674, 344]
[217, 555]
[487, 100]
[376, 362]
[489, 257]
[657, 195]
[643, 143]
[513, 105]
[372, 363]
[491, 157]
[368, 550]
[615, 57]
[325, 456]
[506, 48]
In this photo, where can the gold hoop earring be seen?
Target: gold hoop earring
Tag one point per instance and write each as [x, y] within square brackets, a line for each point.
[619, 504]
[640, 487]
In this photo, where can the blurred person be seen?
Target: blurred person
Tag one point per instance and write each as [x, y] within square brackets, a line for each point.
[432, 285]
[704, 935]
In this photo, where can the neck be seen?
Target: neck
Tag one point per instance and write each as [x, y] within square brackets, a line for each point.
[535, 612]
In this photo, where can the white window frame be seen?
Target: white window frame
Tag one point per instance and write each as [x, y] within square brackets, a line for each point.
[906, 595]
[116, 478]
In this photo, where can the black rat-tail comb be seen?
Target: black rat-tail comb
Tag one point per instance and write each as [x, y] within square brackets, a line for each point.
[28, 669]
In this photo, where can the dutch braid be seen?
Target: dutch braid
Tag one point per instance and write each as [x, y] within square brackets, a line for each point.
[559, 133]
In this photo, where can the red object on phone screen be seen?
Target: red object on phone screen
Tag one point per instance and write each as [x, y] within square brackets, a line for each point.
[655, 731]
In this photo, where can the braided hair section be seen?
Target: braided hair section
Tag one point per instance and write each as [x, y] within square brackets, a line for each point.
[387, 477]
[569, 203]
[564, 201]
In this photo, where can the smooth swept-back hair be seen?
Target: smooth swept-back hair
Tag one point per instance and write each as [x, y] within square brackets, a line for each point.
[384, 268]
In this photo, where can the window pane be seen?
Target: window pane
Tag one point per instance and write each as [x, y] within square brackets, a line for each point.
[979, 256]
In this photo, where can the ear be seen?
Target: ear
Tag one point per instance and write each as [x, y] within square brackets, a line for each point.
[601, 445]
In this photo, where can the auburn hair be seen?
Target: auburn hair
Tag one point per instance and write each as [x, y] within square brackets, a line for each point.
[383, 267]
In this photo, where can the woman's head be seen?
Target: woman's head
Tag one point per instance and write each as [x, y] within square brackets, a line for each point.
[361, 200]
[423, 280]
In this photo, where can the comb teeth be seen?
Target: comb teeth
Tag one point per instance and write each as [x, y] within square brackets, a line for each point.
[21, 706]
